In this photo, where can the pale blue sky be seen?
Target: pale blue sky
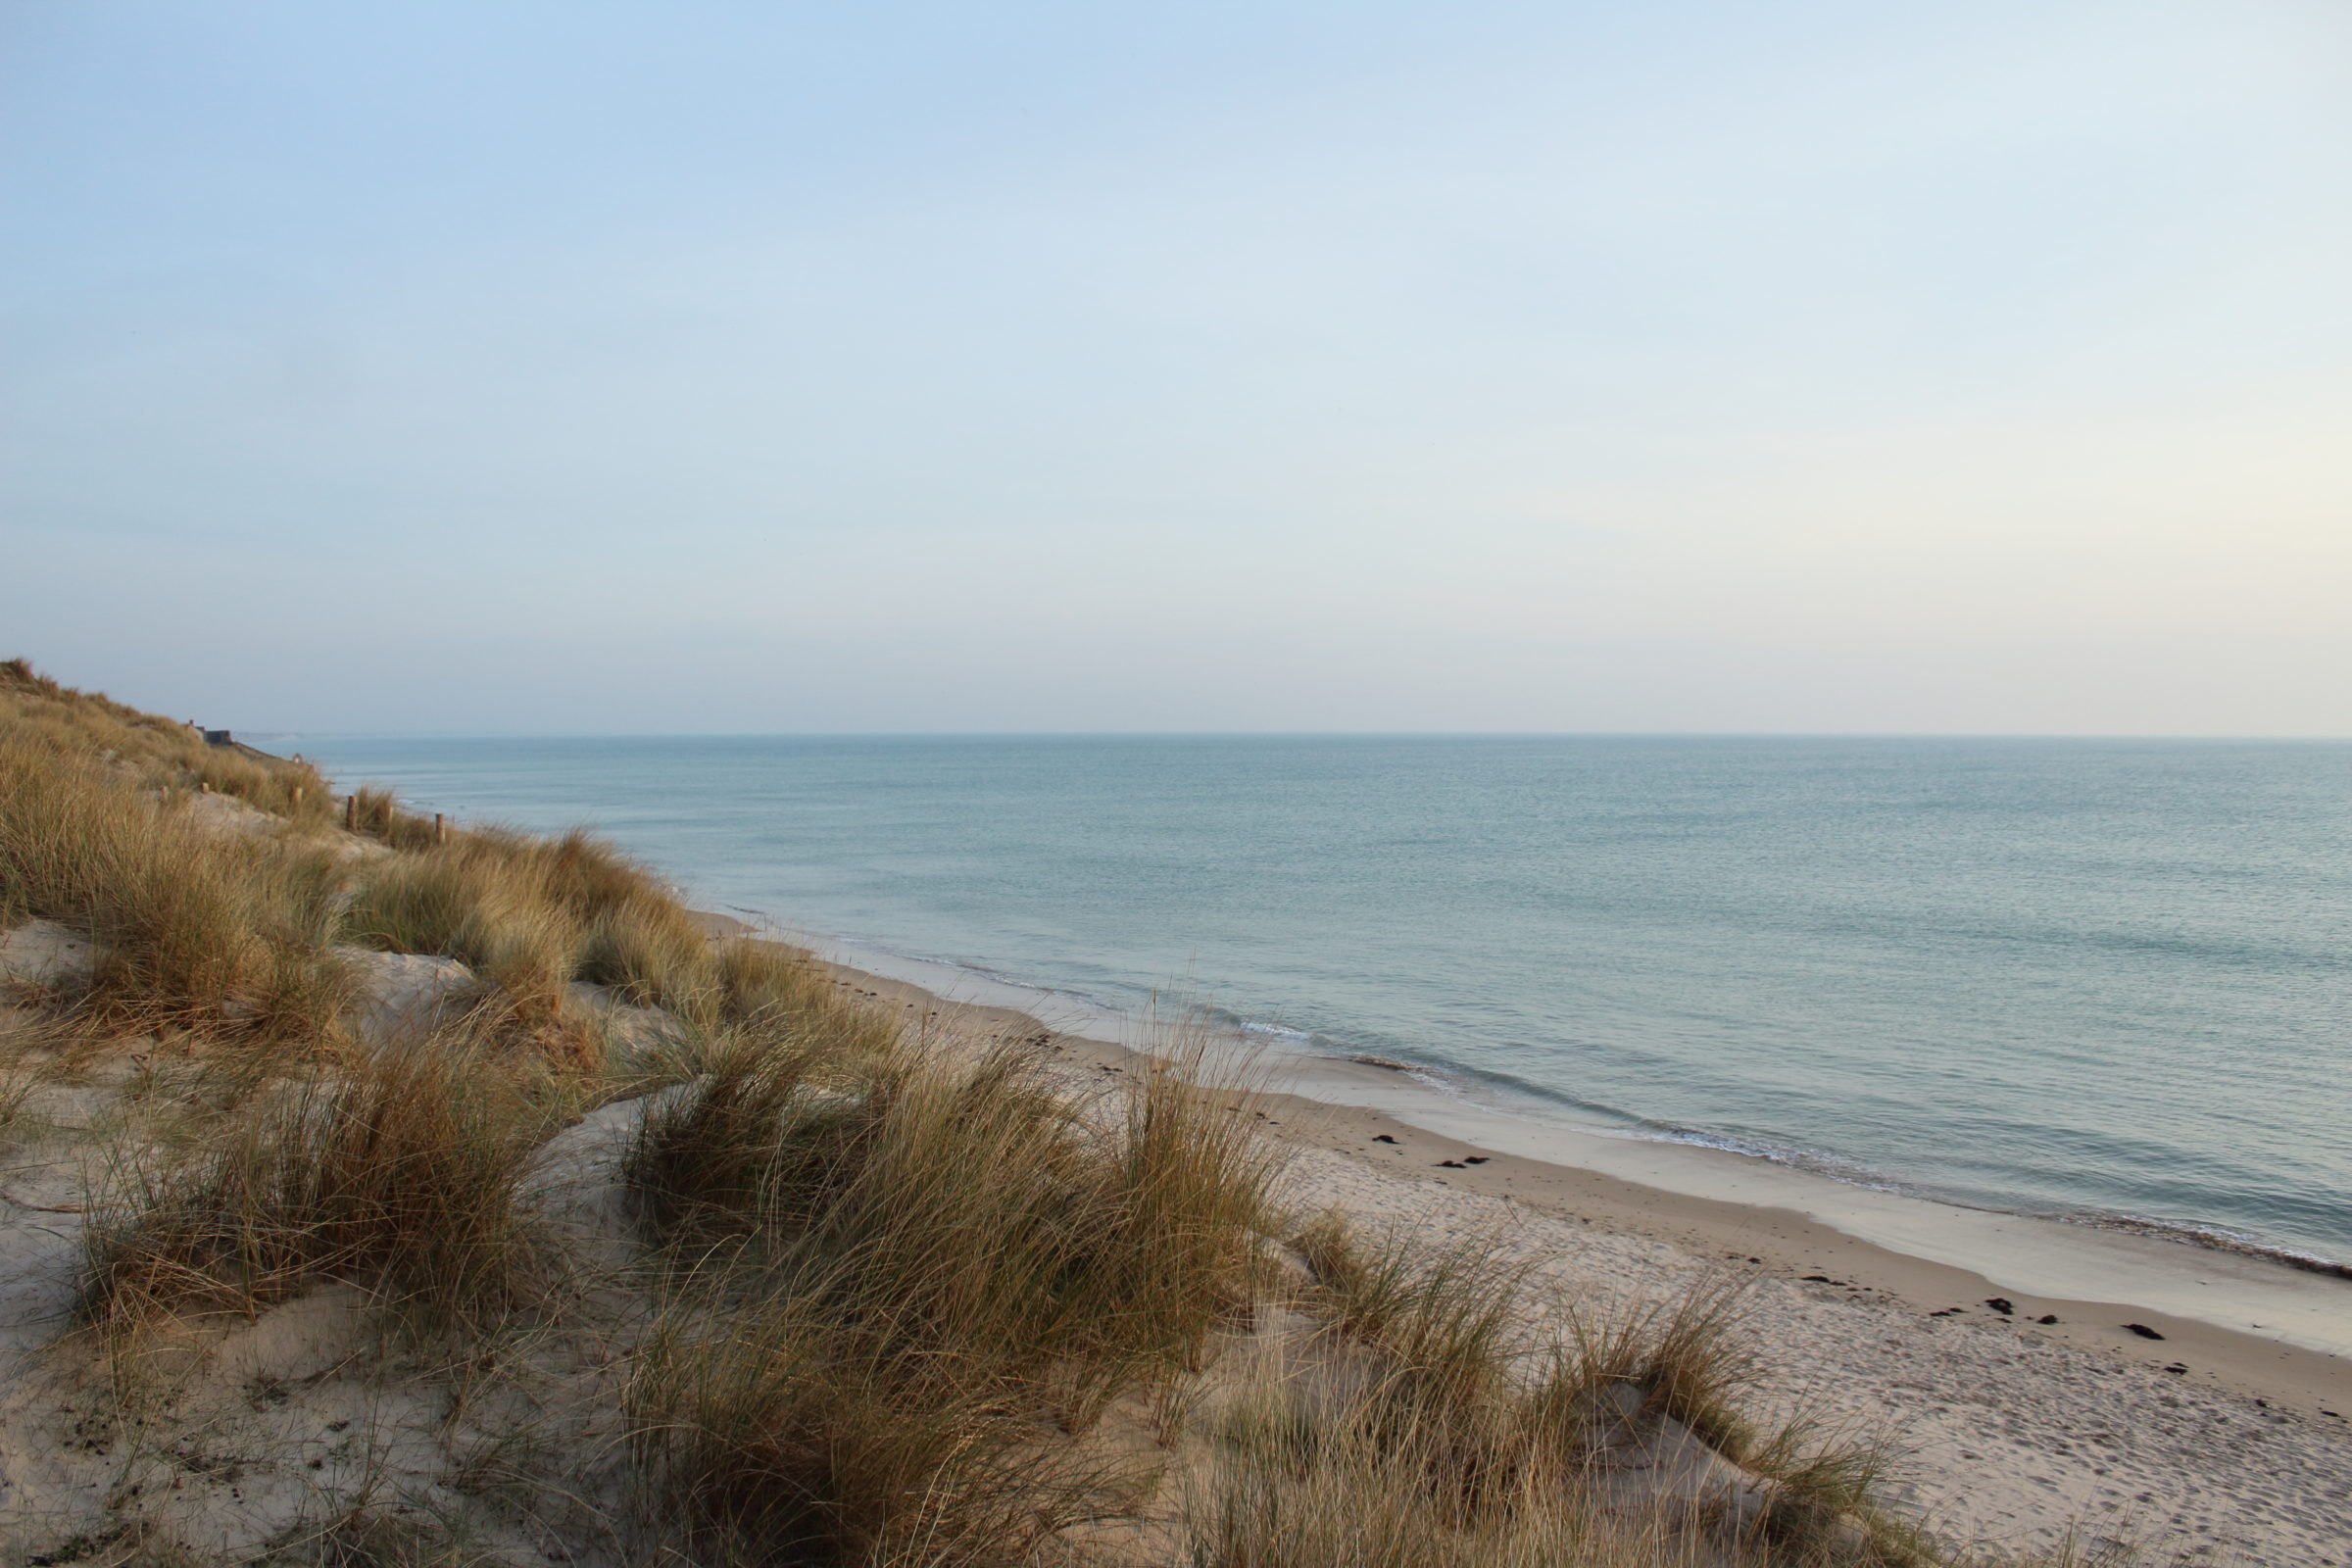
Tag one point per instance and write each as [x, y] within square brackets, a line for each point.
[696, 366]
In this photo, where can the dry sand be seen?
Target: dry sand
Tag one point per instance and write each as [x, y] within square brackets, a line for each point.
[2207, 1445]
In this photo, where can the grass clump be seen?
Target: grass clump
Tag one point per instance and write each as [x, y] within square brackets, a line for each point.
[776, 1433]
[217, 934]
[1482, 1447]
[469, 901]
[1285, 1493]
[915, 1285]
[401, 1172]
[774, 992]
[536, 915]
[702, 1162]
[973, 1207]
[155, 752]
[1685, 1357]
[1440, 1317]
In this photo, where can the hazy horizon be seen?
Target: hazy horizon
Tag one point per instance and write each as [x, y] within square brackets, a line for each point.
[1387, 369]
[255, 736]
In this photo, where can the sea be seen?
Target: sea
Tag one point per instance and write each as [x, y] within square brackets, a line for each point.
[2107, 981]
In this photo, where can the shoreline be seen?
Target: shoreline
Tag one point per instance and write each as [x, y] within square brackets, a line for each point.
[2075, 1138]
[1437, 1101]
[1926, 1260]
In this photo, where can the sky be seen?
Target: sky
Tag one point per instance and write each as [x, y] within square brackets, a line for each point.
[742, 367]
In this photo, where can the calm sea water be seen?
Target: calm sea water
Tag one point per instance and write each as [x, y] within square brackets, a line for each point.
[2094, 978]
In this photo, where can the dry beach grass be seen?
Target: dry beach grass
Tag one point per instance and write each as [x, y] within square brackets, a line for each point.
[621, 1243]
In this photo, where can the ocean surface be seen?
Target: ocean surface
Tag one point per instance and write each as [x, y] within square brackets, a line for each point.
[2103, 980]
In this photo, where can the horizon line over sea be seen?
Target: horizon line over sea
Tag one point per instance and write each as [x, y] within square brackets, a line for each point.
[2097, 978]
[2022, 736]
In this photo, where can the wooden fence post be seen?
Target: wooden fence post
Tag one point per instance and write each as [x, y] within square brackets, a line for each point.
[440, 828]
[351, 813]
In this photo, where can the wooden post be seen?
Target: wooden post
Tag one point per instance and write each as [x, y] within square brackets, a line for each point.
[440, 828]
[204, 786]
[351, 813]
[298, 798]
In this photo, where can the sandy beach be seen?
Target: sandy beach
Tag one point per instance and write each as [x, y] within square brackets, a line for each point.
[2195, 1442]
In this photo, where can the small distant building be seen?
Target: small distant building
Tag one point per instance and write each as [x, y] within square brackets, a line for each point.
[218, 737]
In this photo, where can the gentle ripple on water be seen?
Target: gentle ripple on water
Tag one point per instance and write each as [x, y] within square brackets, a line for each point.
[2085, 977]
